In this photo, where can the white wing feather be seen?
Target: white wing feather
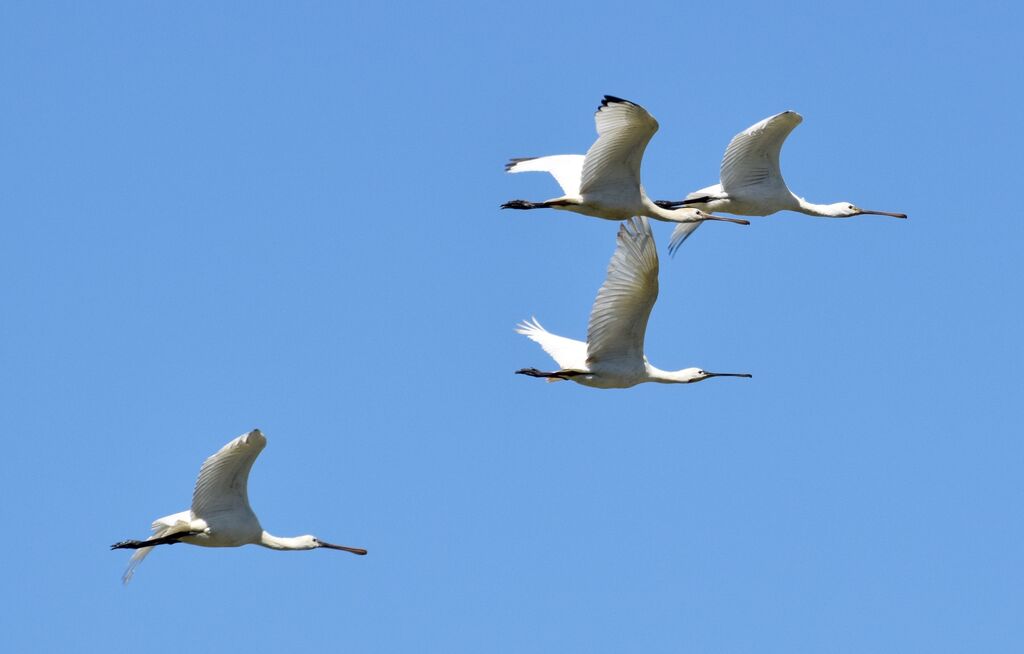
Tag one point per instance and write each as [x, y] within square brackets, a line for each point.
[684, 230]
[613, 161]
[568, 353]
[752, 157]
[618, 320]
[223, 481]
[567, 169]
[222, 487]
[165, 526]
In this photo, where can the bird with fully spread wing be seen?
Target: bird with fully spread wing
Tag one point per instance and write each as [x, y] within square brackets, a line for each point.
[613, 356]
[220, 515]
[751, 181]
[605, 183]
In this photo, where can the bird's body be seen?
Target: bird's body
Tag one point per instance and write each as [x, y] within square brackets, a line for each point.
[613, 356]
[220, 515]
[752, 183]
[605, 183]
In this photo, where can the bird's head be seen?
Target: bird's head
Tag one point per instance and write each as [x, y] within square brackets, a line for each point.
[310, 542]
[847, 209]
[691, 375]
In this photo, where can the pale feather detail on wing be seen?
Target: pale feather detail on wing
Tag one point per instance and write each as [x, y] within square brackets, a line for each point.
[567, 169]
[618, 320]
[683, 231]
[162, 527]
[712, 191]
[613, 161]
[752, 157]
[680, 234]
[568, 353]
[224, 478]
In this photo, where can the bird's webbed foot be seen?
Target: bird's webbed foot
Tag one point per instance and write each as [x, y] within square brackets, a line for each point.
[519, 204]
[560, 374]
[165, 540]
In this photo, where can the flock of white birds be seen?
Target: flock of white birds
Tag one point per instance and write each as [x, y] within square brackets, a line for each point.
[604, 183]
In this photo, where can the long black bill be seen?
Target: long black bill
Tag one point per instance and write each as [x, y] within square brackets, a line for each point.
[355, 550]
[738, 221]
[886, 213]
[729, 374]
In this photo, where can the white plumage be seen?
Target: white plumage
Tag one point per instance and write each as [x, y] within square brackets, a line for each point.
[220, 515]
[613, 356]
[751, 182]
[605, 183]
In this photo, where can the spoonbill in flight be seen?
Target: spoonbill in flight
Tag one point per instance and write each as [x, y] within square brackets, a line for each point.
[613, 356]
[220, 515]
[605, 183]
[752, 184]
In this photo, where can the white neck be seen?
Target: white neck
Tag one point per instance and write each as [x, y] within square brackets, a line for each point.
[668, 376]
[813, 209]
[284, 542]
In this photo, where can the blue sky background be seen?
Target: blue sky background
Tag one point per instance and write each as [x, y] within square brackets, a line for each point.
[286, 217]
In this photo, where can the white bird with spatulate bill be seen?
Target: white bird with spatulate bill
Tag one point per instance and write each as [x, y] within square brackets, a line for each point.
[613, 356]
[752, 184]
[605, 183]
[220, 514]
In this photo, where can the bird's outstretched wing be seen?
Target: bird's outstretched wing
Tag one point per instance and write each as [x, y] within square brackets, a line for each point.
[568, 353]
[613, 162]
[752, 157]
[618, 320]
[224, 478]
[567, 169]
[684, 230]
[162, 527]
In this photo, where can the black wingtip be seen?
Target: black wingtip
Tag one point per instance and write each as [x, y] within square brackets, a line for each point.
[611, 99]
[512, 162]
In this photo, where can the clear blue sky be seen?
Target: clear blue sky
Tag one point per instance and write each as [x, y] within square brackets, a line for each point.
[287, 218]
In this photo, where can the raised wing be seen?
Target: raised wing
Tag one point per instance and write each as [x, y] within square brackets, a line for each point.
[567, 169]
[618, 320]
[613, 162]
[224, 478]
[568, 353]
[752, 157]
